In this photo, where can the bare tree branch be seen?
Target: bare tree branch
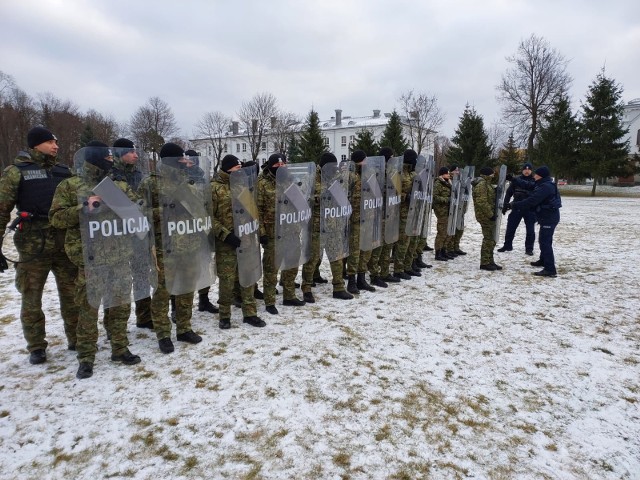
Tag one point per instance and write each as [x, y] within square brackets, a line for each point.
[423, 117]
[256, 115]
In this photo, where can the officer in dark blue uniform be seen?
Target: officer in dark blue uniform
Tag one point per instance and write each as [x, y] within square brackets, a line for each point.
[545, 202]
[519, 189]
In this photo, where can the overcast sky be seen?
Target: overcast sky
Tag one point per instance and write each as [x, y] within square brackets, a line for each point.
[356, 55]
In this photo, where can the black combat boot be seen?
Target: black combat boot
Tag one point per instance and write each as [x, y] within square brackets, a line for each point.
[489, 266]
[126, 357]
[37, 356]
[459, 252]
[308, 297]
[189, 337]
[165, 345]
[378, 282]
[362, 284]
[440, 256]
[449, 254]
[293, 302]
[319, 279]
[342, 295]
[352, 287]
[224, 324]
[85, 370]
[257, 293]
[204, 305]
[413, 273]
[427, 248]
[420, 263]
[271, 309]
[402, 275]
[504, 248]
[254, 321]
[537, 263]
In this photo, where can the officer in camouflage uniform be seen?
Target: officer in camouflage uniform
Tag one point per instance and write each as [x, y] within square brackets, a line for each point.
[125, 169]
[381, 256]
[65, 214]
[453, 241]
[309, 268]
[226, 257]
[484, 205]
[172, 156]
[29, 185]
[400, 269]
[267, 213]
[441, 202]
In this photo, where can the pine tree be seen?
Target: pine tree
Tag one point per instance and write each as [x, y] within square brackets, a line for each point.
[311, 144]
[293, 149]
[364, 141]
[559, 141]
[604, 149]
[470, 144]
[393, 135]
[510, 156]
[87, 135]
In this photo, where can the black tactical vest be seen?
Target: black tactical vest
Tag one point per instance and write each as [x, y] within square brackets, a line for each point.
[37, 186]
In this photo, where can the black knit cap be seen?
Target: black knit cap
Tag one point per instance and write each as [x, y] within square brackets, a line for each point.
[170, 154]
[358, 156]
[453, 168]
[410, 157]
[123, 143]
[96, 153]
[275, 158]
[38, 135]
[327, 157]
[443, 171]
[386, 152]
[527, 166]
[228, 162]
[543, 171]
[191, 153]
[486, 171]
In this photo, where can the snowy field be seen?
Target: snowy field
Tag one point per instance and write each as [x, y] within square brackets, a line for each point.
[460, 373]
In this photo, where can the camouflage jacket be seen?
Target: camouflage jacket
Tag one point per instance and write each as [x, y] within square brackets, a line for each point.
[355, 191]
[408, 174]
[267, 203]
[441, 197]
[484, 199]
[66, 208]
[222, 217]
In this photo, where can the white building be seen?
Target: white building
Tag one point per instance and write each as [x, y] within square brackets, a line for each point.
[338, 132]
[631, 120]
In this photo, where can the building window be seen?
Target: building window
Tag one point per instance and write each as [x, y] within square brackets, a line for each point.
[638, 138]
[343, 157]
[275, 146]
[264, 146]
[244, 147]
[237, 147]
[352, 138]
[343, 141]
[225, 148]
[326, 141]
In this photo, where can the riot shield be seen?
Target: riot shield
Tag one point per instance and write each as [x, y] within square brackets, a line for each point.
[418, 201]
[372, 203]
[117, 237]
[335, 210]
[500, 191]
[295, 185]
[430, 174]
[454, 201]
[393, 192]
[465, 194]
[245, 224]
[185, 204]
[130, 165]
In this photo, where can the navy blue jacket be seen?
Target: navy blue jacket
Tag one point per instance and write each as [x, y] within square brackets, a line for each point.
[520, 188]
[544, 201]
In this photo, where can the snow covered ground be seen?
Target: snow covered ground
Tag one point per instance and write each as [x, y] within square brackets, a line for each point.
[459, 373]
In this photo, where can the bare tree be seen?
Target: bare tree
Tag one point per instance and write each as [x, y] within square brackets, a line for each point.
[17, 116]
[532, 85]
[423, 117]
[213, 126]
[256, 115]
[64, 119]
[497, 135]
[282, 127]
[104, 128]
[441, 144]
[151, 124]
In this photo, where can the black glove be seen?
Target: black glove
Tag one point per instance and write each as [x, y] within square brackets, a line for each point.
[493, 219]
[505, 209]
[3, 263]
[232, 240]
[509, 177]
[264, 239]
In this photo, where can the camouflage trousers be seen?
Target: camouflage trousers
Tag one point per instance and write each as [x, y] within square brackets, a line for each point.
[358, 259]
[384, 261]
[142, 311]
[310, 267]
[270, 276]
[488, 243]
[30, 280]
[87, 331]
[411, 251]
[441, 233]
[227, 267]
[453, 241]
[160, 303]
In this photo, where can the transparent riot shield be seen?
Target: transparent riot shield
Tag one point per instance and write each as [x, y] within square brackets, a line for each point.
[393, 192]
[418, 201]
[465, 194]
[372, 203]
[454, 201]
[295, 185]
[430, 174]
[500, 190]
[245, 224]
[130, 165]
[335, 210]
[185, 205]
[116, 233]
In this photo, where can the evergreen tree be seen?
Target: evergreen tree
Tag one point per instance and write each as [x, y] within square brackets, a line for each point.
[470, 144]
[604, 149]
[87, 135]
[364, 141]
[559, 141]
[311, 144]
[393, 135]
[293, 149]
[510, 156]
